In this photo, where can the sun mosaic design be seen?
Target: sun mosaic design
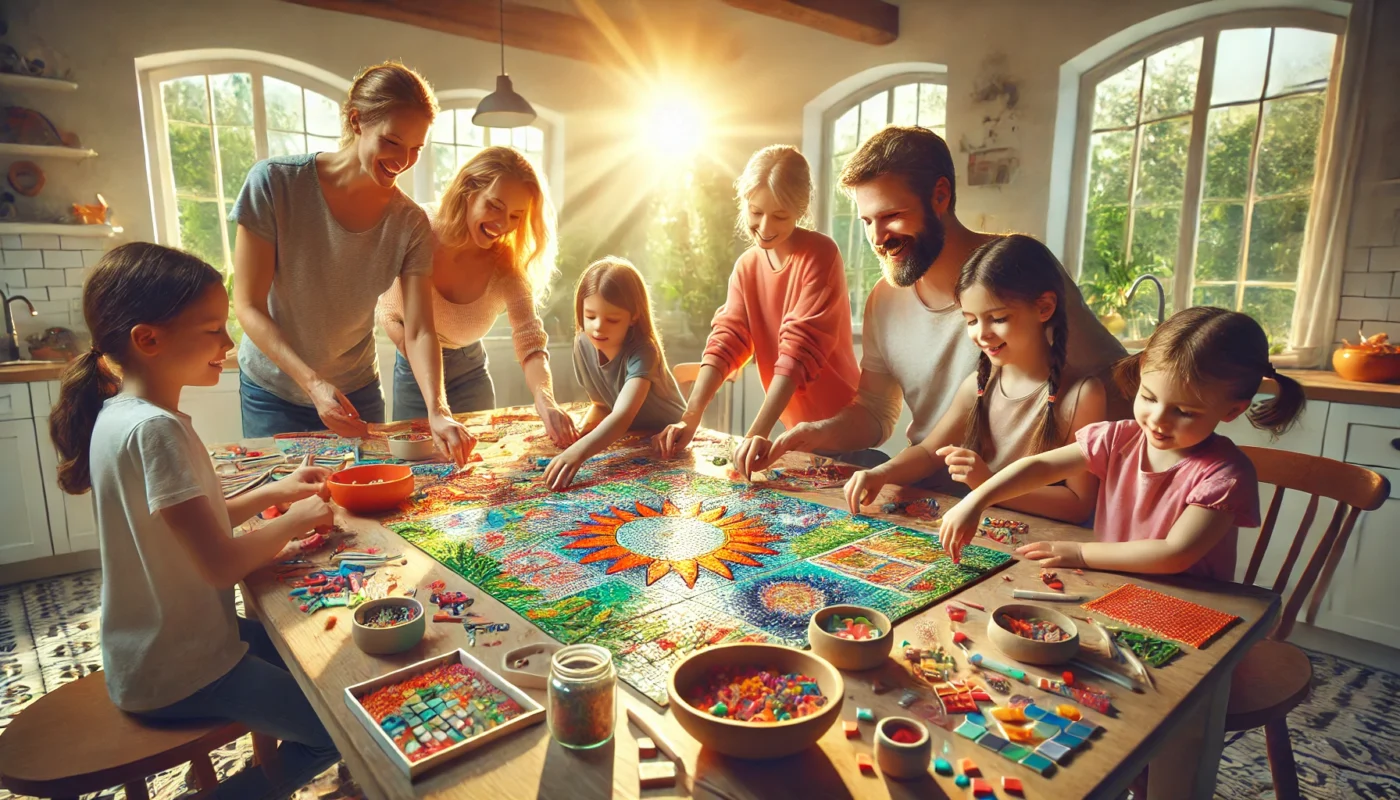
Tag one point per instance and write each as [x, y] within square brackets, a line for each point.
[668, 562]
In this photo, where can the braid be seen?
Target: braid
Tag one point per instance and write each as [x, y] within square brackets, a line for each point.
[1048, 436]
[974, 432]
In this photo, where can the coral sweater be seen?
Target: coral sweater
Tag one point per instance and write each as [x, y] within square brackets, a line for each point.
[793, 321]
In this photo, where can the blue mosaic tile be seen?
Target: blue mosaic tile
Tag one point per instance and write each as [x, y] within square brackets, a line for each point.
[1069, 740]
[992, 742]
[1039, 763]
[970, 730]
[1080, 729]
[1054, 751]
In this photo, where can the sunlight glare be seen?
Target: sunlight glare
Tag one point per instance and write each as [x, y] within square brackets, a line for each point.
[672, 129]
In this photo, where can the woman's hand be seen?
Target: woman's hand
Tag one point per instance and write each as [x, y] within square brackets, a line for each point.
[336, 410]
[674, 439]
[559, 425]
[562, 470]
[753, 455]
[965, 466]
[451, 438]
[957, 528]
[863, 487]
[306, 481]
[1053, 554]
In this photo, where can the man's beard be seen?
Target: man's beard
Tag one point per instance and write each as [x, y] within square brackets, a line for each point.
[919, 253]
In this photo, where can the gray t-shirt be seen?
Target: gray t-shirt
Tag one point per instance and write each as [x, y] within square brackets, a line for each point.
[327, 279]
[166, 633]
[637, 359]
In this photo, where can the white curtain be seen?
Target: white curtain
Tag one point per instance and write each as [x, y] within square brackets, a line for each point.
[1325, 241]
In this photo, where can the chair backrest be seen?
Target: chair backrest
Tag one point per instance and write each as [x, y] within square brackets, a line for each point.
[686, 373]
[1355, 489]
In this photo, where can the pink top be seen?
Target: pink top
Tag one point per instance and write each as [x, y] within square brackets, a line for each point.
[461, 324]
[1136, 503]
[793, 321]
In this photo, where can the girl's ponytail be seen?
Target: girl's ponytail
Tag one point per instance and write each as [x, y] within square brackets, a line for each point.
[86, 386]
[134, 284]
[975, 433]
[1278, 413]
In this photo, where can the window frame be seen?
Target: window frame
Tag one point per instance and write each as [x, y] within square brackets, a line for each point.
[1208, 29]
[550, 123]
[160, 171]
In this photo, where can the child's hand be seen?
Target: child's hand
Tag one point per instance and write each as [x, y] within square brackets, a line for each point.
[558, 425]
[673, 439]
[305, 482]
[1053, 554]
[451, 438]
[862, 488]
[957, 528]
[753, 454]
[561, 471]
[965, 466]
[310, 513]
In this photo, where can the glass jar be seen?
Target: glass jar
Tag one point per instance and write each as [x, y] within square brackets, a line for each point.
[582, 703]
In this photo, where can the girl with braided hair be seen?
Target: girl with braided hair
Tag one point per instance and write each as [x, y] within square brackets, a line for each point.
[1175, 493]
[1020, 401]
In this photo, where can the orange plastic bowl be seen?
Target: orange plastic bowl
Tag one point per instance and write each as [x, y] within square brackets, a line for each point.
[372, 488]
[1356, 364]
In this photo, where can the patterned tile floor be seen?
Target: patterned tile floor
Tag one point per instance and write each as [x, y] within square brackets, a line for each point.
[1345, 737]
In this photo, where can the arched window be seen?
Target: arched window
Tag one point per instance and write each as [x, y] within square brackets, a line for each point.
[454, 140]
[1196, 159]
[209, 117]
[908, 98]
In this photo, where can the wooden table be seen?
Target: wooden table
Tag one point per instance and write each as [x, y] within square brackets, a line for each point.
[1178, 728]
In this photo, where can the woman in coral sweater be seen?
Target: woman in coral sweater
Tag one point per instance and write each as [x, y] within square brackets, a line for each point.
[787, 309]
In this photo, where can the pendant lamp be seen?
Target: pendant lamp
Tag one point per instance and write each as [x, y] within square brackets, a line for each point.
[503, 108]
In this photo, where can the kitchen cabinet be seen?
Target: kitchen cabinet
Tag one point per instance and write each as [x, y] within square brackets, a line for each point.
[72, 518]
[24, 533]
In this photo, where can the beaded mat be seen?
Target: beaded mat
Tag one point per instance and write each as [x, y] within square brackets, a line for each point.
[1162, 614]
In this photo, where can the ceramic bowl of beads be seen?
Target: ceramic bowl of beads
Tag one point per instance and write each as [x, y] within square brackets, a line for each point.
[388, 625]
[850, 637]
[412, 446]
[372, 488]
[1033, 634]
[721, 696]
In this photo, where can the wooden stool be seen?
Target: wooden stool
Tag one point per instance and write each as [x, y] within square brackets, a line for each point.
[73, 741]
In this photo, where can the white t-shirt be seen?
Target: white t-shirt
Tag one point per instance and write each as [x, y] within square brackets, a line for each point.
[166, 632]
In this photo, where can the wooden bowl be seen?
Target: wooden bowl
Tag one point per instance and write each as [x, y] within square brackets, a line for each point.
[386, 641]
[850, 654]
[1029, 650]
[899, 760]
[412, 446]
[1356, 364]
[755, 740]
[371, 488]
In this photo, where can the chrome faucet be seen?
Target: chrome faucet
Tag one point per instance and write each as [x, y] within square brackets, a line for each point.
[11, 331]
[1161, 295]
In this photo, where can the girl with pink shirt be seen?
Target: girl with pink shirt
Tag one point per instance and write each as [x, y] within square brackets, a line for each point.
[787, 309]
[1173, 492]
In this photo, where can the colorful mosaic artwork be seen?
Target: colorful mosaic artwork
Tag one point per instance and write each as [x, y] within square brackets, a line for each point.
[667, 562]
[1167, 616]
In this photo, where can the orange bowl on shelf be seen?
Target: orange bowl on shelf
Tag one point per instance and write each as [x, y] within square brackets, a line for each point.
[1367, 366]
[372, 488]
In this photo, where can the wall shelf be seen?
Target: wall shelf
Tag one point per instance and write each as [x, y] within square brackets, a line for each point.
[9, 150]
[56, 229]
[30, 82]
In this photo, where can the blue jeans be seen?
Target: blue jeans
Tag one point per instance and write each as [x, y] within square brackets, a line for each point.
[464, 376]
[265, 414]
[260, 693]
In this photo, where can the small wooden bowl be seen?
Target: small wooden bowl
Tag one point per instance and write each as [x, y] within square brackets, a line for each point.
[412, 446]
[1356, 364]
[372, 488]
[850, 653]
[386, 641]
[1029, 650]
[897, 759]
[755, 740]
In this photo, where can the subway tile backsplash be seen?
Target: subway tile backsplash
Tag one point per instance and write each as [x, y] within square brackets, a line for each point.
[49, 270]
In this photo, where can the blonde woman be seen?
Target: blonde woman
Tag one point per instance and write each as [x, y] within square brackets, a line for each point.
[787, 309]
[320, 237]
[494, 253]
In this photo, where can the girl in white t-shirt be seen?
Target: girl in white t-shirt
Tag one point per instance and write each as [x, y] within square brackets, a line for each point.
[172, 645]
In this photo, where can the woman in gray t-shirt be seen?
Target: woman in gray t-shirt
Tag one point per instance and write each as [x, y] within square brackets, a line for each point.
[320, 237]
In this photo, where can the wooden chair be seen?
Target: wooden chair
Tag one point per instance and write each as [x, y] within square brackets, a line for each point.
[73, 741]
[1275, 676]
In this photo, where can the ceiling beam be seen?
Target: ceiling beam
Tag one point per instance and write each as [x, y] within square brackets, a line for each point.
[868, 21]
[526, 27]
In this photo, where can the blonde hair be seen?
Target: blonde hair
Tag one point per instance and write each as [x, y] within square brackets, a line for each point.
[621, 284]
[381, 90]
[1203, 346]
[532, 244]
[783, 170]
